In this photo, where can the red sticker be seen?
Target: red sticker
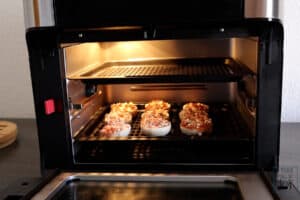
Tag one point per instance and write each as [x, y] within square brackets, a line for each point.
[49, 106]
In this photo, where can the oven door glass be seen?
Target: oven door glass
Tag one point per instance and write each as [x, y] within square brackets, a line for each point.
[111, 186]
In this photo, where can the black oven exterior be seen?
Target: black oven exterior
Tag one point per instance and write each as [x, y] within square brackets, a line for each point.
[68, 21]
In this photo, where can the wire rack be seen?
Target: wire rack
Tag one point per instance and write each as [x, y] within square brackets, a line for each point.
[227, 123]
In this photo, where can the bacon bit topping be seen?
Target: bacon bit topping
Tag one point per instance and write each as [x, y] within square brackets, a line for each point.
[156, 114]
[110, 130]
[118, 117]
[203, 124]
[191, 115]
[154, 122]
[196, 107]
[160, 113]
[194, 116]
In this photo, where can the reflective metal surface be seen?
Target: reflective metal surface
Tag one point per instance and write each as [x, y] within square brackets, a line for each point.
[80, 115]
[245, 50]
[182, 92]
[262, 9]
[250, 184]
[95, 54]
[76, 63]
[38, 13]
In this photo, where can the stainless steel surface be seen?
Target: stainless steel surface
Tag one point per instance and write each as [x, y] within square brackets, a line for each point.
[76, 94]
[250, 83]
[248, 114]
[249, 183]
[96, 54]
[176, 93]
[262, 9]
[38, 13]
[158, 49]
[80, 58]
[79, 118]
[76, 63]
[245, 50]
[141, 93]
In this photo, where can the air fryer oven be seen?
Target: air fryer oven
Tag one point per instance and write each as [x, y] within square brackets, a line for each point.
[86, 56]
[233, 67]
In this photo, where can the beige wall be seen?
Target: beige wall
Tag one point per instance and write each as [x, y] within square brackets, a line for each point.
[16, 98]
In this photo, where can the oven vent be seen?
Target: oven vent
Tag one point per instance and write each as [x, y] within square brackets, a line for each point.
[172, 70]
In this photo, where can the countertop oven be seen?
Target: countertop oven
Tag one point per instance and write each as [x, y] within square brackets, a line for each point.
[87, 56]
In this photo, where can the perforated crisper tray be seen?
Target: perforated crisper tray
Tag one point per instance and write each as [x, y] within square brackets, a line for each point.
[171, 70]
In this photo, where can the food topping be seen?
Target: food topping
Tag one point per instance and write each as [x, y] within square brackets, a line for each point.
[159, 113]
[124, 107]
[154, 122]
[201, 124]
[156, 114]
[195, 119]
[118, 117]
[191, 115]
[157, 105]
[117, 121]
[195, 107]
[110, 130]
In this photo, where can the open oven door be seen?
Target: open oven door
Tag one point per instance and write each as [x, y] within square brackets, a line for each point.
[159, 186]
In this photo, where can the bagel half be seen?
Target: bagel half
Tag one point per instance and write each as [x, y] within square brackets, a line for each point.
[157, 131]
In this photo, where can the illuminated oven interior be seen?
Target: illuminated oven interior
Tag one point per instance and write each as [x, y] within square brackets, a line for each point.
[218, 72]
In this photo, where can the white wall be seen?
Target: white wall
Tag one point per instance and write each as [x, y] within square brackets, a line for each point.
[15, 85]
[291, 75]
[16, 98]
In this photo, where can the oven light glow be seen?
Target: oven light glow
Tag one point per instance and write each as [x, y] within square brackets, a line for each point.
[130, 51]
[120, 174]
[136, 59]
[129, 46]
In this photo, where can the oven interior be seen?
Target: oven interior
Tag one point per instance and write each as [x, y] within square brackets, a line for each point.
[220, 72]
